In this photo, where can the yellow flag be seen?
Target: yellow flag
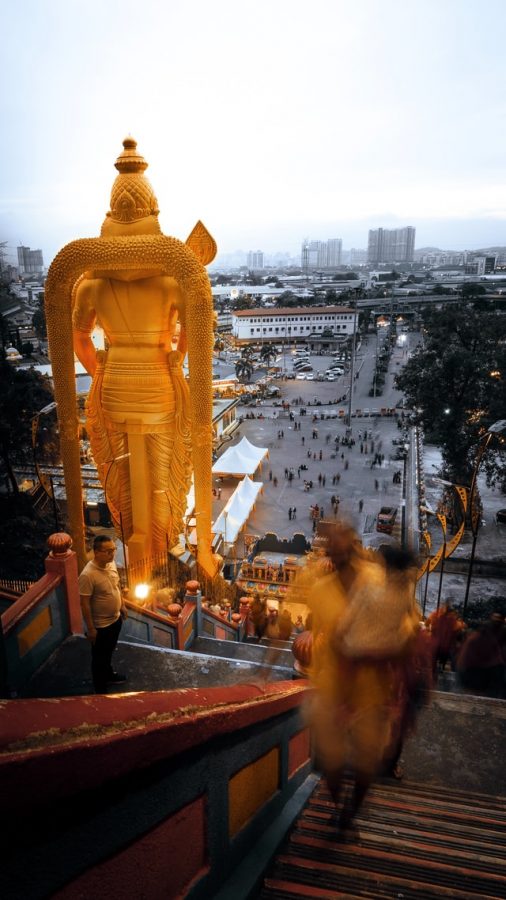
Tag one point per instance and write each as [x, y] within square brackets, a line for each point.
[455, 541]
[434, 560]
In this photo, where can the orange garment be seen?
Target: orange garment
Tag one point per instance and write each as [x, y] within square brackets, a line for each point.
[350, 712]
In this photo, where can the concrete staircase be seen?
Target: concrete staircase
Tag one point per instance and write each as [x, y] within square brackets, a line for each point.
[414, 841]
[275, 656]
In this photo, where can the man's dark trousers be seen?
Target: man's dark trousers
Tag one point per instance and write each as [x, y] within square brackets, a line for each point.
[101, 655]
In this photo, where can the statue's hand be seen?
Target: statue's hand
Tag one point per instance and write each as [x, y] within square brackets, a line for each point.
[175, 359]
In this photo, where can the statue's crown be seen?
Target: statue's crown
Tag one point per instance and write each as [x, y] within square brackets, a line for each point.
[132, 196]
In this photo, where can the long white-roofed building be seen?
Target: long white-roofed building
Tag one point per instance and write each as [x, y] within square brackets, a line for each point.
[293, 324]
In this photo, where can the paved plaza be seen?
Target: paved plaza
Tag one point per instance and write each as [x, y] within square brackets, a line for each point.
[345, 471]
[291, 448]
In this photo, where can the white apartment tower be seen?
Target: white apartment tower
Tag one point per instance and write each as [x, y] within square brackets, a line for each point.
[391, 245]
[30, 262]
[321, 254]
[255, 259]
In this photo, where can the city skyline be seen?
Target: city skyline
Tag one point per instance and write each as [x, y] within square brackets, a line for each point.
[401, 129]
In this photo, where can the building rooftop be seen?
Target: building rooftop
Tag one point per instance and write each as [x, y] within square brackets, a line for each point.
[295, 311]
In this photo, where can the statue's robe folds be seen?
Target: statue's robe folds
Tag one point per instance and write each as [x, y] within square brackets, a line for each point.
[138, 414]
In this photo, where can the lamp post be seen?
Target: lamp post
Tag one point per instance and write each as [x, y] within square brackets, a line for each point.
[352, 363]
[498, 428]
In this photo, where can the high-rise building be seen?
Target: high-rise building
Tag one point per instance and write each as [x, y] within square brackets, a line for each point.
[321, 254]
[391, 245]
[30, 262]
[357, 257]
[334, 251]
[255, 259]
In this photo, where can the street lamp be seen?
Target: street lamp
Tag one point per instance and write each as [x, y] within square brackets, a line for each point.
[352, 363]
[498, 428]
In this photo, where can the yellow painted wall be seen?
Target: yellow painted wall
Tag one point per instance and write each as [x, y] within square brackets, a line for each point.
[250, 788]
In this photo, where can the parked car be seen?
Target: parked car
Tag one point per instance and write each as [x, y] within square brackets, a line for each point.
[500, 517]
[310, 376]
[301, 376]
[386, 519]
[330, 377]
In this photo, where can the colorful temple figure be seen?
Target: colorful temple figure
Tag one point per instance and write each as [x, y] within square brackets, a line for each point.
[147, 428]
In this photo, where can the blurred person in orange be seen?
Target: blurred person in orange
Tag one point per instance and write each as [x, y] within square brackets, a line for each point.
[364, 619]
[445, 627]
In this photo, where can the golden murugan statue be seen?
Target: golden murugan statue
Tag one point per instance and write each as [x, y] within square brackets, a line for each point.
[146, 427]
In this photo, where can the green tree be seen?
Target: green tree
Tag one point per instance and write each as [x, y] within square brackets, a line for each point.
[456, 386]
[24, 393]
[470, 290]
[247, 352]
[244, 302]
[287, 298]
[244, 369]
[268, 352]
[4, 334]
[39, 319]
[219, 345]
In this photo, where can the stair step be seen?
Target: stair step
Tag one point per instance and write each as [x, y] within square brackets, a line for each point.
[489, 844]
[253, 653]
[434, 793]
[342, 881]
[414, 841]
[419, 863]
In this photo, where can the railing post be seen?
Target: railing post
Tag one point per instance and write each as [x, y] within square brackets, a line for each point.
[63, 561]
[4, 672]
[194, 594]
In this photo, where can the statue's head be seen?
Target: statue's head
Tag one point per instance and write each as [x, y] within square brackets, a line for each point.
[134, 207]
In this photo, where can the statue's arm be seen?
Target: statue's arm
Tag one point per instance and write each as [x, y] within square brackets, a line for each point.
[83, 322]
[85, 351]
[182, 344]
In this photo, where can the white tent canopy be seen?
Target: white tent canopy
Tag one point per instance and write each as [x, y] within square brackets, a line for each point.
[241, 459]
[237, 510]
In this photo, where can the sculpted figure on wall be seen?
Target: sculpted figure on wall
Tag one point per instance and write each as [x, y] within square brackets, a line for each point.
[151, 296]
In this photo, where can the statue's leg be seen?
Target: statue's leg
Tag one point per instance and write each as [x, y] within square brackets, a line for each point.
[169, 465]
[116, 481]
[139, 542]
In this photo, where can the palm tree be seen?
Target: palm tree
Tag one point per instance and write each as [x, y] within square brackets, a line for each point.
[247, 352]
[219, 345]
[244, 369]
[267, 353]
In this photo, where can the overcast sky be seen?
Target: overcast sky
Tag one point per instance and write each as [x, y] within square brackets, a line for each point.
[271, 121]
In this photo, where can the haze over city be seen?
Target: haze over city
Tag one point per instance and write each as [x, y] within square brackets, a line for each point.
[270, 122]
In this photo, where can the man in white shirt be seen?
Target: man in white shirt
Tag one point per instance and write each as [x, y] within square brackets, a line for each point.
[103, 607]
